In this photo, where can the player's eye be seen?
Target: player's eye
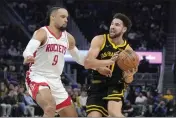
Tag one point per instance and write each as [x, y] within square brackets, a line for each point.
[63, 16]
[117, 24]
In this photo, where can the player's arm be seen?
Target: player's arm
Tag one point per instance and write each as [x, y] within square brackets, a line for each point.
[91, 61]
[73, 50]
[38, 39]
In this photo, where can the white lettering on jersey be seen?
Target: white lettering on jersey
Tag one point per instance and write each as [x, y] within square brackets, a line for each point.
[49, 58]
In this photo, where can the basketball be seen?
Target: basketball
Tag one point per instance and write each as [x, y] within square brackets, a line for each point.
[127, 60]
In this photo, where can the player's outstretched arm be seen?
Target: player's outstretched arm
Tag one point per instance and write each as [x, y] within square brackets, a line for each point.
[74, 52]
[38, 38]
[91, 61]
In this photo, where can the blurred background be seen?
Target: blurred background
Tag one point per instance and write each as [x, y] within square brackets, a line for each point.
[153, 37]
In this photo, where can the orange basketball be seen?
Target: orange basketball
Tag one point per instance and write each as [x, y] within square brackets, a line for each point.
[127, 60]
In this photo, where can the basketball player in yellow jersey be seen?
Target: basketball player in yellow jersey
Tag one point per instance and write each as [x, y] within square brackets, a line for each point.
[105, 94]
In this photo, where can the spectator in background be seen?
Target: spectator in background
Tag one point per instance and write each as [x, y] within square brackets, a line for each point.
[64, 80]
[150, 102]
[32, 27]
[144, 65]
[6, 108]
[160, 110]
[3, 65]
[21, 101]
[12, 67]
[77, 104]
[19, 49]
[131, 96]
[3, 89]
[9, 102]
[11, 87]
[69, 90]
[84, 87]
[174, 108]
[168, 96]
[141, 101]
[12, 51]
[103, 28]
[83, 100]
[1, 101]
[174, 71]
[128, 109]
[143, 46]
[30, 105]
[158, 98]
[78, 13]
[132, 35]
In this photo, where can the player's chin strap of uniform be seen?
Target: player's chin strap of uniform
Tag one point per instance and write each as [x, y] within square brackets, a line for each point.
[31, 48]
[77, 56]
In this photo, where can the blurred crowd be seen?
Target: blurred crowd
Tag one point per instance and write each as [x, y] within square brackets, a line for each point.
[15, 101]
[149, 103]
[145, 101]
[149, 20]
[33, 12]
[148, 33]
[11, 58]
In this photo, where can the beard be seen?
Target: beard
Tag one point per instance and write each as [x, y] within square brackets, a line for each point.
[62, 28]
[115, 35]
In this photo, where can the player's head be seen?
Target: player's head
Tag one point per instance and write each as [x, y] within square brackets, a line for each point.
[58, 17]
[119, 25]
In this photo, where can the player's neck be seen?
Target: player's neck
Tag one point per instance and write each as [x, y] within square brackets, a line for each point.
[56, 31]
[118, 40]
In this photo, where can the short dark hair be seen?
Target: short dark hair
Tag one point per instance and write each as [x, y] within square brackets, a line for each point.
[126, 21]
[50, 11]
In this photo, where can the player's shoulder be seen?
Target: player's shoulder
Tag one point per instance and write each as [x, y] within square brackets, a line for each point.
[40, 31]
[70, 36]
[128, 47]
[99, 37]
[98, 41]
[40, 34]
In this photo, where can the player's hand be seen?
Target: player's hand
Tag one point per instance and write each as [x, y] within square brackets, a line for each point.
[105, 71]
[29, 59]
[115, 56]
[128, 75]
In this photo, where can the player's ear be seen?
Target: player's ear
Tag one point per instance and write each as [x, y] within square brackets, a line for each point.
[52, 17]
[124, 29]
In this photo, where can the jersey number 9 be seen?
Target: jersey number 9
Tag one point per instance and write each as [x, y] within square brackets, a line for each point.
[55, 60]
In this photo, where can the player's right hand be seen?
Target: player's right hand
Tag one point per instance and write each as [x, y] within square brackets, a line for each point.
[115, 56]
[29, 59]
[105, 71]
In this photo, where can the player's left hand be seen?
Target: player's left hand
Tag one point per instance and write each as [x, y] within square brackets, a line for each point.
[115, 56]
[105, 71]
[128, 75]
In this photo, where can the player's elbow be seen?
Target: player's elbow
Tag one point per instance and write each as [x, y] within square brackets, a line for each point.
[25, 54]
[87, 64]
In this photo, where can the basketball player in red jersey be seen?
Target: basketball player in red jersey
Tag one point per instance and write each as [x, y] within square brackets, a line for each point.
[105, 94]
[45, 53]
